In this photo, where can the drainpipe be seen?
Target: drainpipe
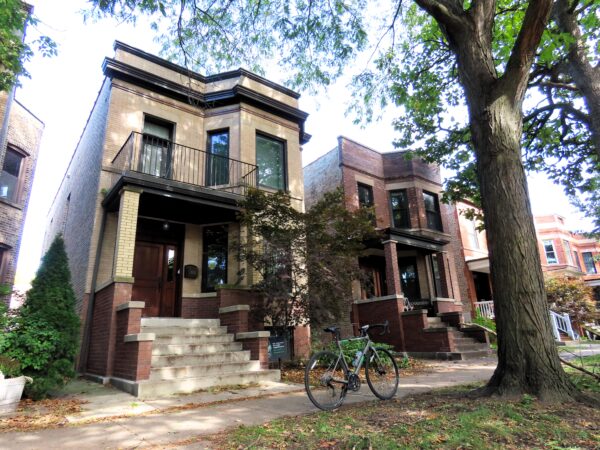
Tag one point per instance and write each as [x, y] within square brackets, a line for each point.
[83, 357]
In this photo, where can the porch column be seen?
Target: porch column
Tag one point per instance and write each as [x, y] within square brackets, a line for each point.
[126, 230]
[392, 272]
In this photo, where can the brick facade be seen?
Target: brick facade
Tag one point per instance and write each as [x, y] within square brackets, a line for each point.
[21, 132]
[107, 193]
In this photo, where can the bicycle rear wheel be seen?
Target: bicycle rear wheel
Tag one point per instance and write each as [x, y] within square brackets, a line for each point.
[325, 380]
[382, 373]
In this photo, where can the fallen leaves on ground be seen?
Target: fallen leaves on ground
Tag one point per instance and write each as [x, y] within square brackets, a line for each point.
[49, 413]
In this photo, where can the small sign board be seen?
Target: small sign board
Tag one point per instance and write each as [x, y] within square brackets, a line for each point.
[279, 348]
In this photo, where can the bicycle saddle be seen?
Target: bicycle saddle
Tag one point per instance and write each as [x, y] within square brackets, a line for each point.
[331, 329]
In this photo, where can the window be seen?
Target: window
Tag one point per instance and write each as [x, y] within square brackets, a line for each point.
[588, 261]
[400, 212]
[567, 247]
[550, 252]
[365, 195]
[437, 277]
[214, 257]
[270, 159]
[432, 209]
[156, 148]
[217, 158]
[576, 256]
[473, 234]
[9, 178]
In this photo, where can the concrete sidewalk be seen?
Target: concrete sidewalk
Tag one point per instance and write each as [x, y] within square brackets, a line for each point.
[206, 416]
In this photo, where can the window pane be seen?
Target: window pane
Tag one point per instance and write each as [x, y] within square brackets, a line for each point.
[214, 257]
[588, 260]
[269, 159]
[9, 178]
[217, 167]
[576, 256]
[432, 209]
[365, 195]
[400, 212]
[550, 253]
[156, 150]
[568, 252]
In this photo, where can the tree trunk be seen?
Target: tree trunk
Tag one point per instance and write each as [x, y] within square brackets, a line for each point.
[585, 76]
[528, 361]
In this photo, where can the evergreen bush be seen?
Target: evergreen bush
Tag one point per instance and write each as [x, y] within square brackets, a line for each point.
[44, 335]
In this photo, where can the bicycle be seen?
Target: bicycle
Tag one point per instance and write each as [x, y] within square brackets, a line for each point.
[327, 377]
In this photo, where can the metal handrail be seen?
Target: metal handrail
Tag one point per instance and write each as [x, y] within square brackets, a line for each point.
[165, 159]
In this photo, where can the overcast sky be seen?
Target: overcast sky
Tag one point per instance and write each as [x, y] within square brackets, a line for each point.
[62, 90]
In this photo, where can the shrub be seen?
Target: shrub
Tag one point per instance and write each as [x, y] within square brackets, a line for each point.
[9, 367]
[350, 347]
[43, 337]
[484, 321]
[571, 296]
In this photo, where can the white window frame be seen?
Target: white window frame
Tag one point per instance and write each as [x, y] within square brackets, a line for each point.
[551, 242]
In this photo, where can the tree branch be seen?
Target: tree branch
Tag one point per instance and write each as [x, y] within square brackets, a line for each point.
[523, 52]
[567, 107]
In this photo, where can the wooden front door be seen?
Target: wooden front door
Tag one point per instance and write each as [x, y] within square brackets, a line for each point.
[155, 271]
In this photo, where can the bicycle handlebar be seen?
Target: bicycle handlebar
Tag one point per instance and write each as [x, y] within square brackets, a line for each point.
[385, 325]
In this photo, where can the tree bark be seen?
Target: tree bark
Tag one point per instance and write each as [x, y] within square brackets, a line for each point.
[585, 76]
[528, 360]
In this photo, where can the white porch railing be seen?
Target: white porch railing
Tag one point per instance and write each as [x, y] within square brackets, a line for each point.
[485, 309]
[562, 323]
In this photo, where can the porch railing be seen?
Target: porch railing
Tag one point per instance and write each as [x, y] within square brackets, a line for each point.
[562, 323]
[485, 309]
[168, 160]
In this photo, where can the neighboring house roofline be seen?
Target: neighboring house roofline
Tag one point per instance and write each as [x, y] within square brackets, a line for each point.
[30, 113]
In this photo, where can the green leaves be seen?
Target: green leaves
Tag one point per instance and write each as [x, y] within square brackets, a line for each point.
[43, 337]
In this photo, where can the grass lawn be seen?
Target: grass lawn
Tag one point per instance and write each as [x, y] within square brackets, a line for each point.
[443, 419]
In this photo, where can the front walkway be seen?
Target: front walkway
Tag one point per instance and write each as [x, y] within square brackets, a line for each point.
[160, 423]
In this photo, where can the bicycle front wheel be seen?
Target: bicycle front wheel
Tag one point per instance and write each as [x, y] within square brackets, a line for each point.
[325, 380]
[382, 373]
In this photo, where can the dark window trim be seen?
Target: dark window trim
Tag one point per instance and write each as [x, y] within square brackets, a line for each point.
[20, 187]
[209, 134]
[160, 121]
[370, 189]
[204, 288]
[407, 224]
[551, 241]
[438, 212]
[285, 160]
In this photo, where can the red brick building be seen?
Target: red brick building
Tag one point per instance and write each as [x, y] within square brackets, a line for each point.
[415, 274]
[20, 136]
[562, 252]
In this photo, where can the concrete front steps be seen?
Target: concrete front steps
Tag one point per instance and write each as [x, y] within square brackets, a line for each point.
[465, 347]
[193, 354]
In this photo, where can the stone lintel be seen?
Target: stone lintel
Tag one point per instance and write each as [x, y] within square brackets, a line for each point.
[414, 312]
[234, 308]
[379, 299]
[139, 337]
[131, 305]
[253, 335]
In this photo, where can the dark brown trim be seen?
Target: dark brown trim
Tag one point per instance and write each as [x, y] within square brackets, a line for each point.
[119, 70]
[285, 160]
[118, 45]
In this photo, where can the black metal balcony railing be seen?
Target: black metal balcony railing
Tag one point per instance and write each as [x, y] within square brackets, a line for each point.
[162, 158]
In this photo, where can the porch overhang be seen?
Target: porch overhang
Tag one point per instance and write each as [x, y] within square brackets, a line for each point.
[413, 239]
[479, 265]
[171, 200]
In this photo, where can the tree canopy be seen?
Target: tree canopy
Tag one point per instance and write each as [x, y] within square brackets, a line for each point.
[303, 263]
[15, 17]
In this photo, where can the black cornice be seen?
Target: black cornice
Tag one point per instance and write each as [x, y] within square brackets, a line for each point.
[118, 45]
[120, 70]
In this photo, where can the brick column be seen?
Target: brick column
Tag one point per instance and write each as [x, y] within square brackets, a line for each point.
[392, 271]
[126, 230]
[133, 350]
[258, 344]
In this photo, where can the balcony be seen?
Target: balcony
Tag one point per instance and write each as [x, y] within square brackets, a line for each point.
[153, 157]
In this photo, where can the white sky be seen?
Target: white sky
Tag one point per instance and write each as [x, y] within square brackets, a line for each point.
[62, 90]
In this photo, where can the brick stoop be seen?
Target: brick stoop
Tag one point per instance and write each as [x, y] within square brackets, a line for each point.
[193, 354]
[460, 346]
